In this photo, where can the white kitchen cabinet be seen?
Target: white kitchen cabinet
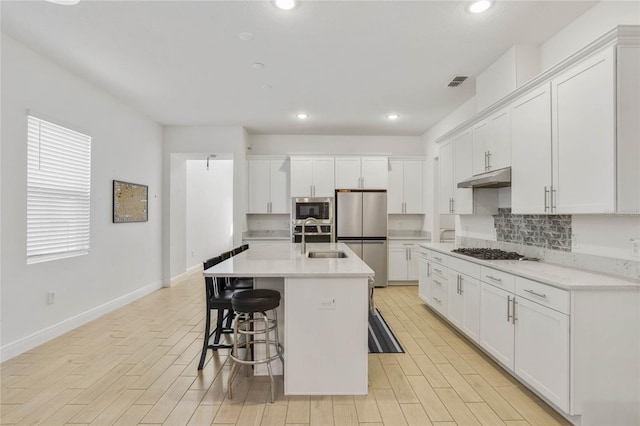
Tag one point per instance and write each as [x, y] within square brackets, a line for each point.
[424, 279]
[312, 177]
[492, 143]
[531, 152]
[403, 261]
[542, 350]
[574, 141]
[268, 185]
[455, 165]
[464, 297]
[496, 323]
[361, 172]
[583, 136]
[404, 194]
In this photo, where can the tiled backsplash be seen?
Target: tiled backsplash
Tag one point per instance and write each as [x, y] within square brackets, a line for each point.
[548, 231]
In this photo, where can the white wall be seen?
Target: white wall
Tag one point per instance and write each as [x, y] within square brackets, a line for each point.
[181, 142]
[125, 259]
[323, 144]
[599, 235]
[594, 23]
[209, 202]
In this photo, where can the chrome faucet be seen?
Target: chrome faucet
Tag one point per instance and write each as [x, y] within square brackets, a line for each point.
[303, 245]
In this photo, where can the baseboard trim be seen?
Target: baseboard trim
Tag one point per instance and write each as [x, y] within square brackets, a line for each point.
[20, 346]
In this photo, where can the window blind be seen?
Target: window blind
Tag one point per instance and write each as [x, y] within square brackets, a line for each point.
[58, 191]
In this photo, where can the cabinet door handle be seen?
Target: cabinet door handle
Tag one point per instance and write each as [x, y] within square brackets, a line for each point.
[428, 269]
[438, 282]
[461, 288]
[437, 270]
[494, 278]
[439, 259]
[488, 160]
[509, 316]
[514, 310]
[409, 251]
[437, 300]
[453, 205]
[552, 196]
[546, 203]
[544, 296]
[485, 161]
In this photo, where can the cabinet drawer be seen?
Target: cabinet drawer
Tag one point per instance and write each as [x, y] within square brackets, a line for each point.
[439, 271]
[425, 254]
[498, 278]
[546, 295]
[439, 297]
[440, 258]
[464, 267]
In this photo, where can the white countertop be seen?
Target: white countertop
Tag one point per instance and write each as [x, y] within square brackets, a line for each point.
[554, 275]
[285, 260]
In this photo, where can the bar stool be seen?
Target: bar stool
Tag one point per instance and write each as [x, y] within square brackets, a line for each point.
[246, 305]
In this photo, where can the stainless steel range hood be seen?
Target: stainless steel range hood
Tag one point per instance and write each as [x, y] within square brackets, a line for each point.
[494, 179]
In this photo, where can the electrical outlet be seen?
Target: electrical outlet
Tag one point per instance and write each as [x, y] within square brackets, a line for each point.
[193, 253]
[635, 247]
[51, 297]
[328, 303]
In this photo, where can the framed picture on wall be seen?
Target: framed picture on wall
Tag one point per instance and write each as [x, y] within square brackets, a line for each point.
[130, 202]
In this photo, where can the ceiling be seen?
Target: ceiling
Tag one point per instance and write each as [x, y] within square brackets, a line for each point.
[345, 63]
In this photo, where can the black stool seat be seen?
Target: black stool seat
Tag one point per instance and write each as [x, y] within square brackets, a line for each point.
[258, 300]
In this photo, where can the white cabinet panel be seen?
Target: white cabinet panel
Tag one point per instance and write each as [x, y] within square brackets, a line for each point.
[531, 152]
[445, 163]
[492, 143]
[404, 194]
[456, 303]
[583, 120]
[361, 172]
[312, 177]
[424, 281]
[496, 323]
[462, 166]
[375, 171]
[542, 350]
[480, 147]
[470, 290]
[268, 190]
[397, 264]
[413, 268]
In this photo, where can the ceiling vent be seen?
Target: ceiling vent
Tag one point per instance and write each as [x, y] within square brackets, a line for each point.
[457, 81]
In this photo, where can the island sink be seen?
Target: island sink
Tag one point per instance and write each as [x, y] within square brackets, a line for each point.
[332, 254]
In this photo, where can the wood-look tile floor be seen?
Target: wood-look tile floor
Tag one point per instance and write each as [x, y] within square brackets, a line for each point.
[138, 365]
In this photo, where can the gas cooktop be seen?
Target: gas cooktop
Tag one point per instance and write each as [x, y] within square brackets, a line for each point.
[489, 254]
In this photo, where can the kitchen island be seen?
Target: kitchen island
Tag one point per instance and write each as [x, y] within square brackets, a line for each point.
[322, 316]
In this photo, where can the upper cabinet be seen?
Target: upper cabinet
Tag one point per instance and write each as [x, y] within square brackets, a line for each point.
[405, 187]
[361, 172]
[455, 165]
[492, 143]
[575, 139]
[312, 177]
[531, 152]
[268, 185]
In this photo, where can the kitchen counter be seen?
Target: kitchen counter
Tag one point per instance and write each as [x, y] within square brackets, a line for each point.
[267, 235]
[285, 260]
[554, 275]
[402, 234]
[322, 317]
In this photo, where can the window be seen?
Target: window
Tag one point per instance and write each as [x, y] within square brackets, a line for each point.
[58, 189]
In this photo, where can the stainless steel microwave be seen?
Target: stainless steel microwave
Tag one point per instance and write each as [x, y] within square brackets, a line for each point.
[320, 208]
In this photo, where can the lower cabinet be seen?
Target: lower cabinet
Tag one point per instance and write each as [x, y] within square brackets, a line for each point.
[542, 350]
[529, 339]
[579, 349]
[424, 277]
[403, 261]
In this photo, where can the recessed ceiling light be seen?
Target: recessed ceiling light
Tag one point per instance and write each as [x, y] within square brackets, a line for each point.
[480, 6]
[302, 115]
[257, 65]
[285, 4]
[245, 36]
[392, 117]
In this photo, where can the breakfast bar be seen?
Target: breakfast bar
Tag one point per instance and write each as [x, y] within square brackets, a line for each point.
[322, 314]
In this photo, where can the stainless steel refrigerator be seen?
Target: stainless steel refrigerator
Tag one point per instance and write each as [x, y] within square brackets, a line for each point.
[361, 223]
